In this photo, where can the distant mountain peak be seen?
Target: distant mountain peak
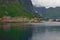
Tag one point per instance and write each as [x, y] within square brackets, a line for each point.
[50, 12]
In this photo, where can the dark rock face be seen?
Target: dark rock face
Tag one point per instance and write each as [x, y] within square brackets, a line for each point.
[40, 10]
[27, 4]
[6, 2]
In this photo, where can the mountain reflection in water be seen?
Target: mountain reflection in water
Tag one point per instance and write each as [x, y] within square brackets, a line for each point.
[15, 31]
[46, 33]
[18, 31]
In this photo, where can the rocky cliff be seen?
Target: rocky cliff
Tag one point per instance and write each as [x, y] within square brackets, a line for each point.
[27, 4]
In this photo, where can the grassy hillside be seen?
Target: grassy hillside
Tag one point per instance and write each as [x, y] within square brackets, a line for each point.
[14, 10]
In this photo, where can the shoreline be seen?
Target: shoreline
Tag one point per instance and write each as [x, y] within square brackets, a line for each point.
[37, 24]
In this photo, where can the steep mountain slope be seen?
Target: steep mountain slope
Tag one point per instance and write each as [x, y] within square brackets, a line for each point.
[53, 12]
[16, 8]
[27, 4]
[50, 12]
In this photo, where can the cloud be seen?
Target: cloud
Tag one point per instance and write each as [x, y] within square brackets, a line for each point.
[46, 3]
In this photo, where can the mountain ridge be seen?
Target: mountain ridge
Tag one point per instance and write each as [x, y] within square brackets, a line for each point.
[15, 8]
[49, 13]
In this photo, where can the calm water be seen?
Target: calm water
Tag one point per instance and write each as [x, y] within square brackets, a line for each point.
[17, 31]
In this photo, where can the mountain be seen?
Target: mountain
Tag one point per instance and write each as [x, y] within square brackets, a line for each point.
[29, 7]
[49, 13]
[27, 4]
[53, 12]
[14, 8]
[40, 10]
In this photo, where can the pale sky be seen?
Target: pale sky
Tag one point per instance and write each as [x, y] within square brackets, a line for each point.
[46, 3]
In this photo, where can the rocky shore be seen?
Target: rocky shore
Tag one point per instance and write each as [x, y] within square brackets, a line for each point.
[21, 20]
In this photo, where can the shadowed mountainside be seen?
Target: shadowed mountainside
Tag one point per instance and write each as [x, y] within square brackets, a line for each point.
[14, 8]
[50, 12]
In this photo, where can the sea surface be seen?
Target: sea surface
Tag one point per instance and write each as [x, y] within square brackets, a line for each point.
[21, 31]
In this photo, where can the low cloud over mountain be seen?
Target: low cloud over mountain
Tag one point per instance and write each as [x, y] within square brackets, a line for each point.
[46, 3]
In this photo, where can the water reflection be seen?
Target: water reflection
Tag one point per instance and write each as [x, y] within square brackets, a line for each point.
[6, 26]
[46, 33]
[15, 31]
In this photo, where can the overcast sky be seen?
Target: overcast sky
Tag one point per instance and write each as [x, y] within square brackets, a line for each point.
[46, 3]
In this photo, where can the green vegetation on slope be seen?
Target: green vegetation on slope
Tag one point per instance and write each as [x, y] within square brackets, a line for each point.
[14, 10]
[53, 12]
[2, 11]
